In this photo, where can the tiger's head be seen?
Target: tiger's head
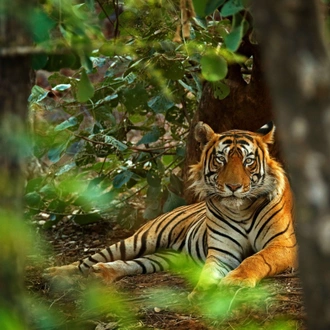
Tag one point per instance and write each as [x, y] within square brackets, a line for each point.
[236, 165]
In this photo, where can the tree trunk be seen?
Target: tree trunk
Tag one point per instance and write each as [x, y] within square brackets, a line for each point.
[298, 72]
[248, 106]
[14, 92]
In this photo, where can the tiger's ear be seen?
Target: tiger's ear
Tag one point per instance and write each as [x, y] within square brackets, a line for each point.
[203, 133]
[267, 132]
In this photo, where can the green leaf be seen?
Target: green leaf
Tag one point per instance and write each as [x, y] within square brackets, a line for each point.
[180, 151]
[151, 136]
[72, 121]
[41, 26]
[171, 69]
[85, 219]
[234, 38]
[122, 178]
[168, 46]
[160, 104]
[118, 144]
[62, 87]
[90, 4]
[212, 5]
[86, 63]
[214, 67]
[137, 118]
[168, 159]
[55, 153]
[49, 191]
[153, 179]
[176, 184]
[130, 78]
[57, 62]
[206, 7]
[58, 79]
[231, 7]
[33, 184]
[37, 94]
[173, 201]
[135, 97]
[65, 168]
[153, 206]
[108, 49]
[32, 199]
[186, 86]
[85, 89]
[39, 61]
[221, 90]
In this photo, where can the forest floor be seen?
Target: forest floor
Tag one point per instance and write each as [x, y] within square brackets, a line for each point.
[153, 301]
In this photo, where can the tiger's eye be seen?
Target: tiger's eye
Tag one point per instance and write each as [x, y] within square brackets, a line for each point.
[220, 159]
[249, 161]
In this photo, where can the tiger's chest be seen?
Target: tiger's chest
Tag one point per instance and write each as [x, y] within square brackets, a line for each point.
[243, 229]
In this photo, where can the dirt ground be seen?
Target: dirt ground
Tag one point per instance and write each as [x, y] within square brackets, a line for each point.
[154, 301]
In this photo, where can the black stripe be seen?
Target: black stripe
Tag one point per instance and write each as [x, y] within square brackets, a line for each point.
[179, 236]
[256, 214]
[192, 239]
[224, 235]
[222, 264]
[205, 247]
[135, 240]
[169, 235]
[122, 249]
[84, 264]
[170, 222]
[225, 252]
[198, 251]
[91, 259]
[270, 210]
[228, 141]
[153, 261]
[143, 242]
[103, 256]
[167, 260]
[218, 216]
[110, 253]
[265, 224]
[243, 142]
[140, 263]
[246, 137]
[276, 235]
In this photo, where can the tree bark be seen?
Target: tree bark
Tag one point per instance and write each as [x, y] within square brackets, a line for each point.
[14, 92]
[248, 107]
[298, 72]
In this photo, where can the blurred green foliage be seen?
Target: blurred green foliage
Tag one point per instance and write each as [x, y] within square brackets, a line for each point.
[92, 305]
[115, 126]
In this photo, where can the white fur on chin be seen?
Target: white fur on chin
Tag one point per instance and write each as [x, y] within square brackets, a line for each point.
[232, 202]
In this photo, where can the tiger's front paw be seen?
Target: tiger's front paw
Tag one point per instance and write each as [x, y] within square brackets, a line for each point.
[105, 272]
[235, 278]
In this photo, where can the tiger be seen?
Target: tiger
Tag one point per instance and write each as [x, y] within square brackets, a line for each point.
[240, 232]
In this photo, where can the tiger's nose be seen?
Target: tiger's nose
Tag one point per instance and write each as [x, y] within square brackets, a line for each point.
[233, 186]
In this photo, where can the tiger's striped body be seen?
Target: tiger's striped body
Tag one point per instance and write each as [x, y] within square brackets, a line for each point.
[242, 232]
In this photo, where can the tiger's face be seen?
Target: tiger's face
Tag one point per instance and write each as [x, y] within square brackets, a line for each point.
[235, 165]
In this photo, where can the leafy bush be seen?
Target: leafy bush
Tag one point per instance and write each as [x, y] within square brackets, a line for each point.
[115, 127]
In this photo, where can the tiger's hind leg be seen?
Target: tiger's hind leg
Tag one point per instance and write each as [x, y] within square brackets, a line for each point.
[62, 271]
[110, 272]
